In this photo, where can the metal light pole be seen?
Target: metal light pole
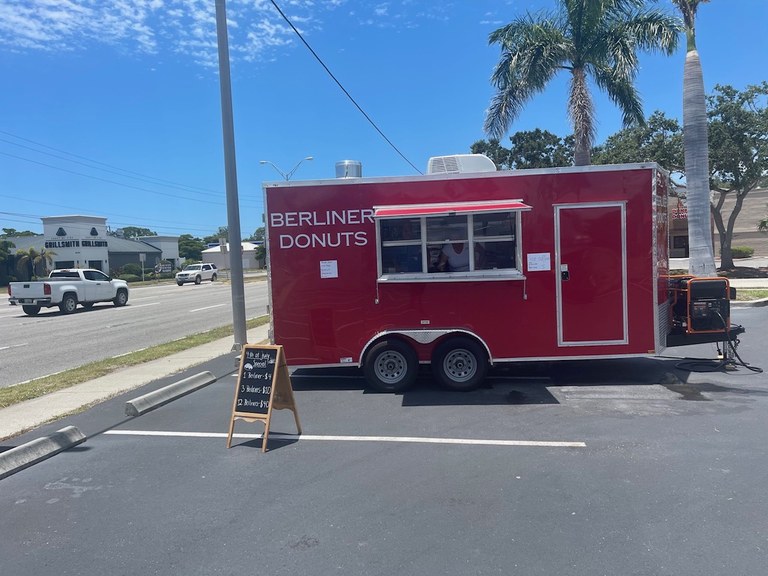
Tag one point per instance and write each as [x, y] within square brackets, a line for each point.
[230, 172]
[286, 175]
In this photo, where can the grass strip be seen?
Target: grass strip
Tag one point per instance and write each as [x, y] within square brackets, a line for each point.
[68, 378]
[743, 294]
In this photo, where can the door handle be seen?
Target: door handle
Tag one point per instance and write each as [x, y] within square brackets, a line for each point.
[564, 274]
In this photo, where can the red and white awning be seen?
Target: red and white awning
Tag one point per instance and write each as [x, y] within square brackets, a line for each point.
[448, 208]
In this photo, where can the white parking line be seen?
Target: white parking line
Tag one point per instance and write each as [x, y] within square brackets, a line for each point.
[207, 307]
[403, 439]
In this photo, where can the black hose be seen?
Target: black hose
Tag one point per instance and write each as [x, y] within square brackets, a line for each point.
[715, 366]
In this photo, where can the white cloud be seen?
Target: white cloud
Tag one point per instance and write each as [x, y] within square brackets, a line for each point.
[183, 27]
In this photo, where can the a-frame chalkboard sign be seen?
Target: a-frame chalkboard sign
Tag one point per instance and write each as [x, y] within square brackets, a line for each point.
[263, 385]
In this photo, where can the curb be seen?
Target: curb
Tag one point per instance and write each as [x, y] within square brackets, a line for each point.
[26, 455]
[152, 400]
[749, 303]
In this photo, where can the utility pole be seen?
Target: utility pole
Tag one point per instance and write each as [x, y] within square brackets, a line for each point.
[230, 172]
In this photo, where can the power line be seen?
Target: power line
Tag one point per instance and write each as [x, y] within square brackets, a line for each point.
[395, 148]
[107, 180]
[109, 168]
[113, 170]
[146, 222]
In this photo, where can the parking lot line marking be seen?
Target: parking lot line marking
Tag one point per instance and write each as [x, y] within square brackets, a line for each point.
[403, 439]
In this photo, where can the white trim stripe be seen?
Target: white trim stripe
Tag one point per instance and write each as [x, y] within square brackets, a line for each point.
[403, 439]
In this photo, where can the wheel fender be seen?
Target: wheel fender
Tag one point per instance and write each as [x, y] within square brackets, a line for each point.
[423, 336]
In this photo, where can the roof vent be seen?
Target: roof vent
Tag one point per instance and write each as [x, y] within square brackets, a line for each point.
[460, 164]
[349, 169]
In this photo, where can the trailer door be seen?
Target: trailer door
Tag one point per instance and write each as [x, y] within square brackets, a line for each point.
[591, 274]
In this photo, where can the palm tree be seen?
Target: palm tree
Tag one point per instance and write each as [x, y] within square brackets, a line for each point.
[6, 259]
[32, 264]
[701, 260]
[589, 38]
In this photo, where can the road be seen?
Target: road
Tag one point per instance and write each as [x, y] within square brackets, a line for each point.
[664, 475]
[31, 347]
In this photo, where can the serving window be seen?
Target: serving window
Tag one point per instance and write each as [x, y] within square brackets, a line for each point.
[449, 241]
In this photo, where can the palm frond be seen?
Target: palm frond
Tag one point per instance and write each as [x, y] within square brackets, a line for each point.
[653, 31]
[623, 93]
[532, 52]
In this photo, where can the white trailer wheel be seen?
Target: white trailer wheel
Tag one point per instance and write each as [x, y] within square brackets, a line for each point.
[391, 366]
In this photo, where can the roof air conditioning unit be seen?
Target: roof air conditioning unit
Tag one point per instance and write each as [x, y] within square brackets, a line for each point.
[460, 164]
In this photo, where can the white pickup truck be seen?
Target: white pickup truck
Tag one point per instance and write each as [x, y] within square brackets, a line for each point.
[66, 289]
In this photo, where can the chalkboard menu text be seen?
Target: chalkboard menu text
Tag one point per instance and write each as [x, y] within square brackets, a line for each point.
[263, 385]
[257, 374]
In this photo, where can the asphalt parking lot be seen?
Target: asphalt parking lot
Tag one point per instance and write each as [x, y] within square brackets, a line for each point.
[579, 468]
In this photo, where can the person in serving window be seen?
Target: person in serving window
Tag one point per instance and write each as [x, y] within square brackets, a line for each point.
[454, 257]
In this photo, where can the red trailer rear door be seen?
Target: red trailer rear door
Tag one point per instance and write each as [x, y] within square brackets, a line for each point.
[591, 261]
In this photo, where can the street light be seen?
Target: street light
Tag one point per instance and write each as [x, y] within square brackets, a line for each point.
[286, 175]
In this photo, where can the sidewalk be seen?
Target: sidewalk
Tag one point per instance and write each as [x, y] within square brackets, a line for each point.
[27, 415]
[743, 283]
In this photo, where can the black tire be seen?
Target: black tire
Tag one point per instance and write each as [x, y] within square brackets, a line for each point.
[391, 366]
[198, 279]
[121, 298]
[87, 305]
[68, 304]
[30, 309]
[213, 278]
[179, 283]
[460, 364]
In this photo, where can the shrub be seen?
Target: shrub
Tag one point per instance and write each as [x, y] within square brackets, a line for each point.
[133, 269]
[742, 251]
[130, 277]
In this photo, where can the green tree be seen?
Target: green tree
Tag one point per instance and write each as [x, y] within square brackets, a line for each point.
[191, 248]
[659, 140]
[738, 152]
[133, 232]
[258, 235]
[13, 233]
[495, 151]
[31, 264]
[540, 149]
[529, 149]
[222, 232]
[599, 39]
[695, 134]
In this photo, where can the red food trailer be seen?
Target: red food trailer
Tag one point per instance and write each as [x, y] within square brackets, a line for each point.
[467, 270]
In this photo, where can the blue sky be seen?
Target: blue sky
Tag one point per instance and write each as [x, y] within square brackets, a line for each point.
[112, 108]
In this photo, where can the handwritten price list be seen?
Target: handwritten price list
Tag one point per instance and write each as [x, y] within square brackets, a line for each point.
[254, 387]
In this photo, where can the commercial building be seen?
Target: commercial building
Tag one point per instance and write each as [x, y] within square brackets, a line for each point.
[219, 255]
[78, 241]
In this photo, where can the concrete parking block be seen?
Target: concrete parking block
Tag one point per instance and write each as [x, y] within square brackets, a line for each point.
[35, 451]
[157, 398]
